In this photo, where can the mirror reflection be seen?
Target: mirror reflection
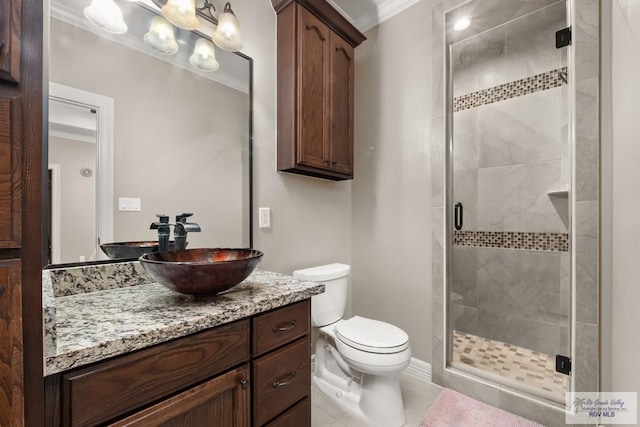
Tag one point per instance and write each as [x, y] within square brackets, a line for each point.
[134, 132]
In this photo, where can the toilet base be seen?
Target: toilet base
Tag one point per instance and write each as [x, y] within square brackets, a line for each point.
[376, 400]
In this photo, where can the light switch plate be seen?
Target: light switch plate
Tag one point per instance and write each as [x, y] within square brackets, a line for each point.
[129, 204]
[264, 217]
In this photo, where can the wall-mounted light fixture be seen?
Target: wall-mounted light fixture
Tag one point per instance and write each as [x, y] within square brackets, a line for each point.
[181, 13]
[107, 15]
[161, 37]
[204, 56]
[227, 35]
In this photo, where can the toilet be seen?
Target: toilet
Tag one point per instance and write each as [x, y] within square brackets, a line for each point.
[358, 361]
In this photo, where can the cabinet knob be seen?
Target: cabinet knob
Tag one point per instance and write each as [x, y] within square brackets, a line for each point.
[1, 290]
[1, 45]
[244, 383]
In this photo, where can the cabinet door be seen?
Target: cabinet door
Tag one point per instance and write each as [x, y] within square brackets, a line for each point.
[341, 105]
[313, 90]
[10, 169]
[11, 394]
[222, 401]
[10, 12]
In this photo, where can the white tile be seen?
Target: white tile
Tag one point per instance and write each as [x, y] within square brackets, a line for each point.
[418, 396]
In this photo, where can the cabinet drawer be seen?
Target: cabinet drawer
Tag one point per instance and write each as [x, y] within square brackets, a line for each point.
[102, 392]
[278, 327]
[299, 416]
[280, 379]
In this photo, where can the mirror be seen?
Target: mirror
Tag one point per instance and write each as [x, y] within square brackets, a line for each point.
[134, 133]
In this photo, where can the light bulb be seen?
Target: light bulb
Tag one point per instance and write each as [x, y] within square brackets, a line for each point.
[227, 35]
[181, 13]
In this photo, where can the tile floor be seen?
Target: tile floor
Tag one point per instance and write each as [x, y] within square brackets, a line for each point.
[417, 395]
[516, 366]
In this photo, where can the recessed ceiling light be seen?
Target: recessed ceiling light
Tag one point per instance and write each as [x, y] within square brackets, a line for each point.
[462, 24]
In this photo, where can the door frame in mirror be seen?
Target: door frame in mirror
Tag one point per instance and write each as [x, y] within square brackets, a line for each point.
[104, 140]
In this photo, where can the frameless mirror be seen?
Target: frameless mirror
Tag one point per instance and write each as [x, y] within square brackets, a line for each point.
[135, 132]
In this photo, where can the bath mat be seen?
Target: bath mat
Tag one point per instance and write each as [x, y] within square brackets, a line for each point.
[452, 409]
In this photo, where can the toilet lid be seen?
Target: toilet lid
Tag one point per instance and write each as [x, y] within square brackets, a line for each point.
[373, 336]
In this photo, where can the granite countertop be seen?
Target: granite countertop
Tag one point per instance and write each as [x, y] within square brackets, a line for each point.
[97, 322]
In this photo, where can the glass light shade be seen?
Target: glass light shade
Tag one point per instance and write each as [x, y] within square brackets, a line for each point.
[181, 13]
[227, 35]
[204, 56]
[105, 14]
[161, 37]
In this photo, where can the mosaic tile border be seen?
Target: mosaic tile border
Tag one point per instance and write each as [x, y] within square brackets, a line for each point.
[539, 82]
[555, 242]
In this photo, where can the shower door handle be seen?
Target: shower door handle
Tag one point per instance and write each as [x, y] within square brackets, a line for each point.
[457, 216]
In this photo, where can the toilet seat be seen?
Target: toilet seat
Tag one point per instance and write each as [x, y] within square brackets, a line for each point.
[372, 336]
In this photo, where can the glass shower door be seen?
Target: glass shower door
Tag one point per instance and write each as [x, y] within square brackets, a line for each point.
[509, 173]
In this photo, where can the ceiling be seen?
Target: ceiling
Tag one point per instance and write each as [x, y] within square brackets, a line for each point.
[366, 14]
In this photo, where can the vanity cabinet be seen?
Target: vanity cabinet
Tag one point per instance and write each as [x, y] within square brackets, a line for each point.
[315, 89]
[252, 372]
[10, 15]
[10, 172]
[21, 401]
[11, 399]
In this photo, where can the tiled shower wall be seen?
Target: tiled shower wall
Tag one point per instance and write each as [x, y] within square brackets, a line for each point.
[583, 66]
[510, 147]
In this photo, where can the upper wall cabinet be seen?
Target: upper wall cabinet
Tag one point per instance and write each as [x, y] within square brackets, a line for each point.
[315, 89]
[10, 11]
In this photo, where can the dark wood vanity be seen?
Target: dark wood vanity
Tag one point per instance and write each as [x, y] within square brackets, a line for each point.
[315, 89]
[252, 372]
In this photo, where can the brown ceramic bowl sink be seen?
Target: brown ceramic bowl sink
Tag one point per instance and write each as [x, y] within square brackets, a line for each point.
[201, 272]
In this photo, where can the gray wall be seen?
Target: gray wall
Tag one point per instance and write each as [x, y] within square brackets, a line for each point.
[391, 216]
[625, 345]
[77, 198]
[178, 137]
[506, 156]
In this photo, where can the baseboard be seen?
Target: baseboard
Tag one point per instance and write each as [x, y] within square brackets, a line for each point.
[417, 369]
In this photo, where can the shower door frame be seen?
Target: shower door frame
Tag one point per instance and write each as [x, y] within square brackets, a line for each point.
[583, 65]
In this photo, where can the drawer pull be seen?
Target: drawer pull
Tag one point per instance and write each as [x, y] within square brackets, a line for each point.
[282, 383]
[283, 328]
[244, 383]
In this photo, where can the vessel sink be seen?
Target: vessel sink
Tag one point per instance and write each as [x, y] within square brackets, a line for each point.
[201, 272]
[122, 250]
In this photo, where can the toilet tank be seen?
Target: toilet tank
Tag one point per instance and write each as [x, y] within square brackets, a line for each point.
[328, 307]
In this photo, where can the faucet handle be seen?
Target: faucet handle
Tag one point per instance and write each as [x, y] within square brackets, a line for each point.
[183, 217]
[164, 219]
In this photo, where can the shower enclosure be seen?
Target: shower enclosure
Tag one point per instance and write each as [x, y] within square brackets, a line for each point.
[508, 175]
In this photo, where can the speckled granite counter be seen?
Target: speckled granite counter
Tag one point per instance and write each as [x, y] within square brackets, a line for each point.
[86, 322]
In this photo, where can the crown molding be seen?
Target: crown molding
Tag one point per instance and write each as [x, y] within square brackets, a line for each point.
[383, 12]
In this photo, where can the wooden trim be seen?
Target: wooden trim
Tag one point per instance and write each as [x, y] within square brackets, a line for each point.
[327, 14]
